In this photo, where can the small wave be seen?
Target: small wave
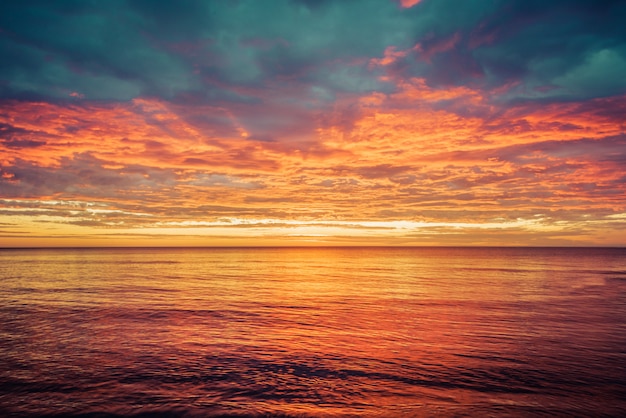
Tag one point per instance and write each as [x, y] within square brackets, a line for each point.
[161, 413]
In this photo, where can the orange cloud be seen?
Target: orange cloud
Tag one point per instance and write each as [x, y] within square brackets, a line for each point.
[444, 161]
[408, 3]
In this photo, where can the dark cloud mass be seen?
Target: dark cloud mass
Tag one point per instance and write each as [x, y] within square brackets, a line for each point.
[118, 50]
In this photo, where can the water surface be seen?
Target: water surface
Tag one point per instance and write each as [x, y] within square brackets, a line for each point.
[313, 332]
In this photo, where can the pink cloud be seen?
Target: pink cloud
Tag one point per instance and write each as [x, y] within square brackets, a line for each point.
[408, 3]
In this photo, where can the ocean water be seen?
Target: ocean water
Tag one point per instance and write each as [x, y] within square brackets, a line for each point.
[313, 332]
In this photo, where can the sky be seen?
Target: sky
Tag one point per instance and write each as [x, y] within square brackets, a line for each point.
[312, 122]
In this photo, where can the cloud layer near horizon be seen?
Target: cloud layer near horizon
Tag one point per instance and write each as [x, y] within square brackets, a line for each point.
[373, 121]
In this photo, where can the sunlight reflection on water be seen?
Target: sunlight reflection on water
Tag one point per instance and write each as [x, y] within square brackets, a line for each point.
[328, 331]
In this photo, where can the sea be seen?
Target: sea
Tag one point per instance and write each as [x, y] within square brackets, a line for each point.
[313, 332]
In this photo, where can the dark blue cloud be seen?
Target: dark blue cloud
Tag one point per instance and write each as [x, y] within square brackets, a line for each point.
[208, 50]
[94, 48]
[558, 49]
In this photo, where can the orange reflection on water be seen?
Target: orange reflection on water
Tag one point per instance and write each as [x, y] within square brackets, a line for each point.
[316, 331]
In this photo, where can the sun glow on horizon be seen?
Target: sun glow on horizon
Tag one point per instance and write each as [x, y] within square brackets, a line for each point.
[69, 223]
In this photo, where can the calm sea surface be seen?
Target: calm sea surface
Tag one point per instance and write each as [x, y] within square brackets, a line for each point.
[313, 332]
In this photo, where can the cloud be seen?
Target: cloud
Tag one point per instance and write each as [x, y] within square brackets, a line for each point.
[212, 50]
[601, 72]
[22, 143]
[121, 50]
[314, 111]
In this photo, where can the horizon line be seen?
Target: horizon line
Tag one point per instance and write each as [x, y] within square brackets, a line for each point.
[304, 246]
